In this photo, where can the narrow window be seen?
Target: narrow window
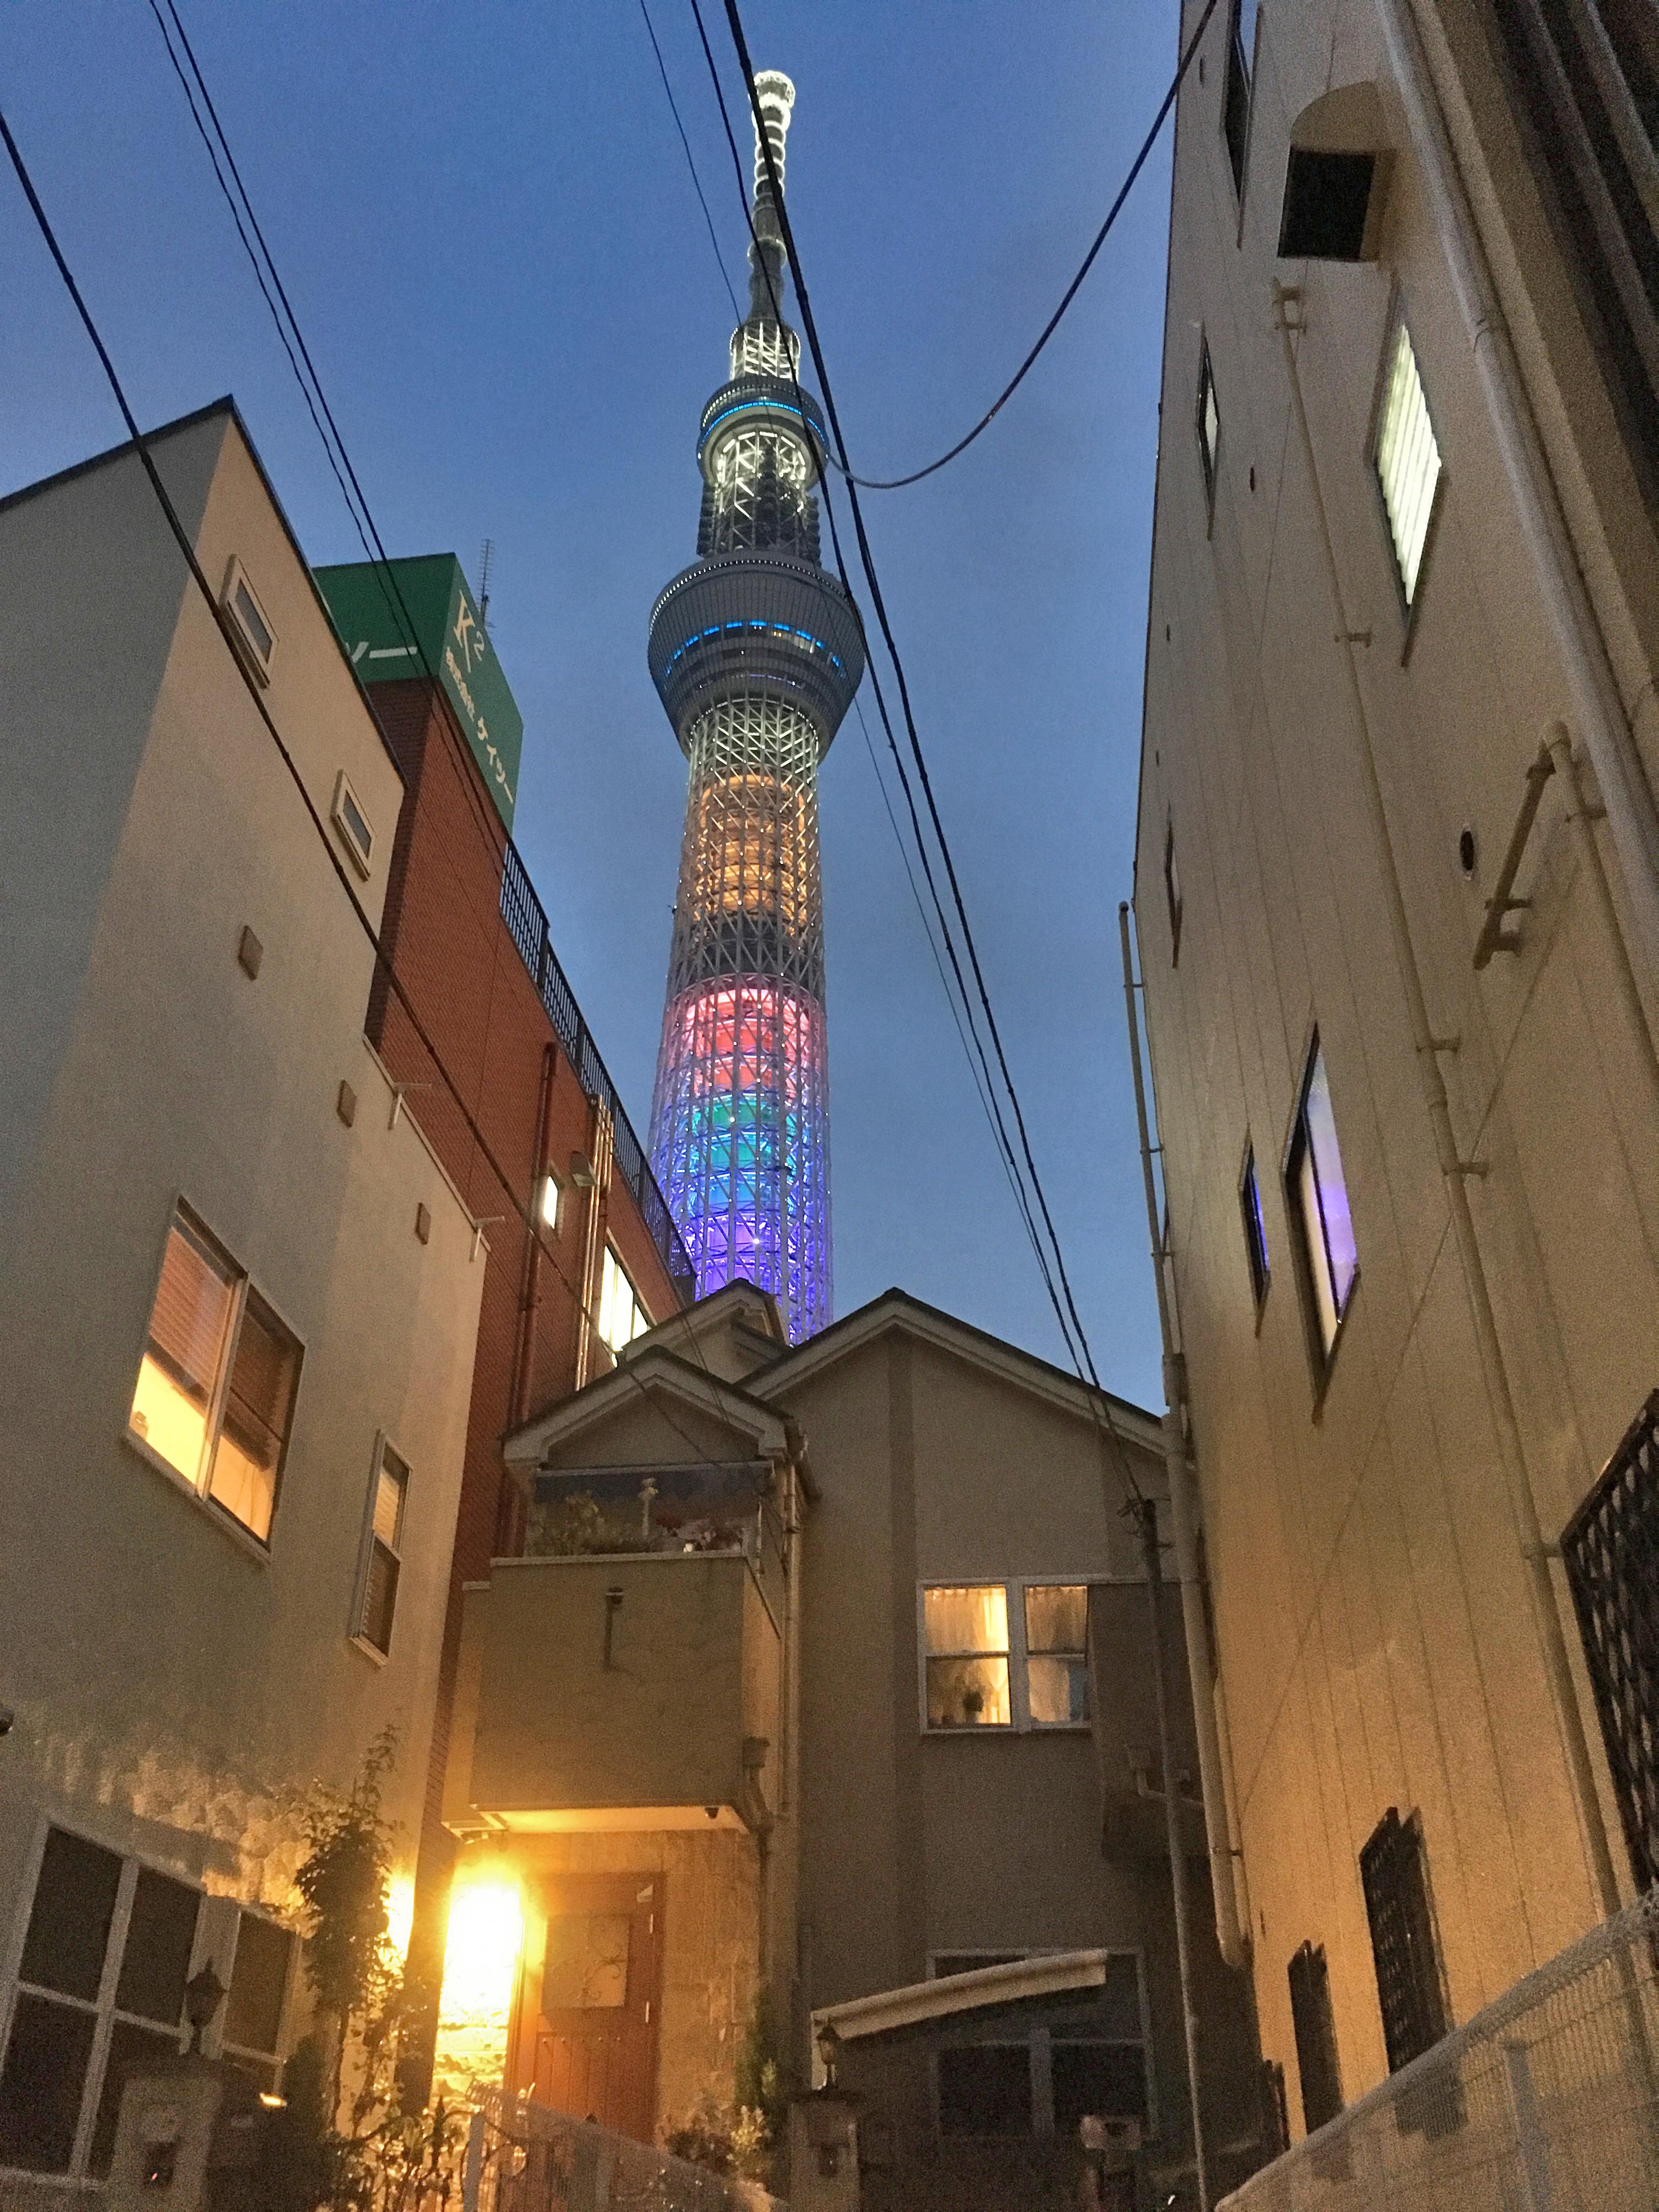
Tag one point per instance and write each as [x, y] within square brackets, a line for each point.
[1056, 1654]
[254, 2011]
[251, 627]
[1314, 2027]
[1209, 423]
[966, 1637]
[1172, 892]
[1256, 1228]
[1318, 1197]
[352, 823]
[1394, 1878]
[217, 1384]
[552, 1192]
[622, 1317]
[1407, 459]
[386, 1537]
[1236, 96]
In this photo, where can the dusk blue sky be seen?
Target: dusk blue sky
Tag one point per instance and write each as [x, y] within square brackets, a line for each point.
[484, 219]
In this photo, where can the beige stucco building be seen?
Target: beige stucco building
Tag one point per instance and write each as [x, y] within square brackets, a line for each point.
[792, 1692]
[238, 1296]
[1397, 883]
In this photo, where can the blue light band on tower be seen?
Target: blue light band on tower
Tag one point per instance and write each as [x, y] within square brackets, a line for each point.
[756, 652]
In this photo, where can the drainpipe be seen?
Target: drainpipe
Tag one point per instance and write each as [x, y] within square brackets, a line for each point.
[1201, 1663]
[1596, 699]
[1455, 1171]
[531, 1296]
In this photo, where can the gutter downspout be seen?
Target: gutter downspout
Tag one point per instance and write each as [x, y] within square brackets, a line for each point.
[1455, 1173]
[1596, 699]
[1201, 1663]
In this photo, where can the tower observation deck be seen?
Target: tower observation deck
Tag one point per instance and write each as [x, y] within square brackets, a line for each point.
[756, 652]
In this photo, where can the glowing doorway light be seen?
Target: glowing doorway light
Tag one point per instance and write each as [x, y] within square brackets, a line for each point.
[481, 1948]
[756, 652]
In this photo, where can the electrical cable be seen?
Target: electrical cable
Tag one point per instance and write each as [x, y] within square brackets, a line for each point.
[382, 962]
[867, 559]
[377, 557]
[898, 483]
[697, 182]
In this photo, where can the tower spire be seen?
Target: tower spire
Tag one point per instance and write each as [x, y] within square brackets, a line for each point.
[756, 653]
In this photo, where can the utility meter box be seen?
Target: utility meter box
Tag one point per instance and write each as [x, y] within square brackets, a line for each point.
[188, 2136]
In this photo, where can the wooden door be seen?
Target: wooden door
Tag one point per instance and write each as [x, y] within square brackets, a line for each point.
[591, 2005]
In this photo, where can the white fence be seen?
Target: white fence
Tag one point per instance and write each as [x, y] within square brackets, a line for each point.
[521, 2157]
[1548, 2101]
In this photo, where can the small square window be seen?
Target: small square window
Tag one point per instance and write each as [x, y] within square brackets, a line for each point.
[1208, 420]
[1172, 893]
[217, 1384]
[1256, 1228]
[383, 1562]
[1407, 459]
[351, 822]
[1317, 1194]
[966, 1633]
[251, 627]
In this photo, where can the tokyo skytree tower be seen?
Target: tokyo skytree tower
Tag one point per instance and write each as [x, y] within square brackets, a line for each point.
[756, 653]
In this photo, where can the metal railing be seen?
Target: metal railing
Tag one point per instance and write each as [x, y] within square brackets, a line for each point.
[1548, 2101]
[527, 920]
[522, 2157]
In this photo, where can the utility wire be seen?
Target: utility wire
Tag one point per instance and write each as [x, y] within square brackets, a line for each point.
[697, 182]
[867, 559]
[391, 591]
[382, 962]
[897, 483]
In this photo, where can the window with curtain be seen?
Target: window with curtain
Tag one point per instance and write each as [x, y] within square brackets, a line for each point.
[1057, 1653]
[966, 1633]
[1010, 1655]
[217, 1381]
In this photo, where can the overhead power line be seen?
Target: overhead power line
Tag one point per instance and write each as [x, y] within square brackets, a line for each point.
[382, 960]
[1078, 1351]
[696, 181]
[898, 483]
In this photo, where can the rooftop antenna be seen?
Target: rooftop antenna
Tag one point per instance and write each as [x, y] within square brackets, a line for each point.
[484, 560]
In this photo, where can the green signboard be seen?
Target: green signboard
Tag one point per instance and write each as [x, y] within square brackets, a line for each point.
[417, 618]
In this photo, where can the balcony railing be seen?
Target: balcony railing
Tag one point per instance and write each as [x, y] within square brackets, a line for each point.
[522, 912]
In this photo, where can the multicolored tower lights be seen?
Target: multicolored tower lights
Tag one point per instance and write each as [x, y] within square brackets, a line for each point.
[756, 652]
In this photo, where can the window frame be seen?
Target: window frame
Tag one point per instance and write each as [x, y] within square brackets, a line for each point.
[359, 851]
[258, 663]
[1396, 325]
[1040, 2038]
[1238, 71]
[216, 1935]
[1209, 463]
[1257, 1257]
[384, 1447]
[641, 1312]
[1322, 1355]
[244, 1290]
[1313, 2033]
[552, 1190]
[1019, 1721]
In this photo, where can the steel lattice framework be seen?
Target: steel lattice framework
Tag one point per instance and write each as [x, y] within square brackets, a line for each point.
[756, 652]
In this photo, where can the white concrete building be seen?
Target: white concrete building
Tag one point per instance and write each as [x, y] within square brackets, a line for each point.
[238, 1296]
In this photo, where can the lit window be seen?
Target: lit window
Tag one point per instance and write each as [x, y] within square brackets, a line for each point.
[622, 1317]
[1407, 462]
[1056, 1654]
[1209, 422]
[250, 625]
[386, 1537]
[1256, 1228]
[966, 1633]
[1172, 893]
[1318, 1197]
[552, 1192]
[215, 1390]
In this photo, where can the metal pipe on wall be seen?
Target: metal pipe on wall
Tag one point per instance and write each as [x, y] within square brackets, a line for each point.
[1455, 1171]
[1201, 1661]
[1632, 817]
